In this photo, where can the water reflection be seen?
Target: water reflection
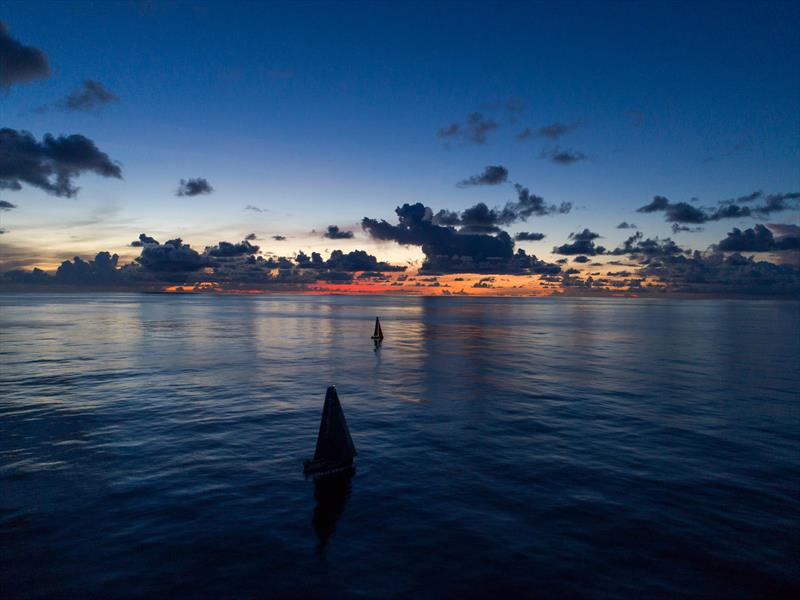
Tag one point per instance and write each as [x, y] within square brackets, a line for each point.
[331, 493]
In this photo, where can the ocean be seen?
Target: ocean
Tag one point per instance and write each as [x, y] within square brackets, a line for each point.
[151, 445]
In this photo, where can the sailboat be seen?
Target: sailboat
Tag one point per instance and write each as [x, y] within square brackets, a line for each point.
[378, 333]
[335, 449]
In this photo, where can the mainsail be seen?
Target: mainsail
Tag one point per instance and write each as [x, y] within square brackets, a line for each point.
[378, 334]
[334, 444]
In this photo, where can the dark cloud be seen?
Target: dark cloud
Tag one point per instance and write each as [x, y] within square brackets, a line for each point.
[492, 175]
[475, 129]
[194, 187]
[101, 270]
[144, 240]
[718, 274]
[647, 249]
[759, 239]
[450, 250]
[582, 243]
[737, 208]
[19, 63]
[677, 228]
[357, 260]
[626, 225]
[5, 205]
[172, 256]
[278, 238]
[226, 249]
[526, 236]
[251, 237]
[553, 131]
[581, 259]
[52, 164]
[562, 157]
[334, 233]
[90, 97]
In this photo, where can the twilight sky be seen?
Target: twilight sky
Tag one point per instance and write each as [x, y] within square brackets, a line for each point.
[320, 114]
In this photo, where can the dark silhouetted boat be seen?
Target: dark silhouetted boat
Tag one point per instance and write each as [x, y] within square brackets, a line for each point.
[335, 449]
[378, 333]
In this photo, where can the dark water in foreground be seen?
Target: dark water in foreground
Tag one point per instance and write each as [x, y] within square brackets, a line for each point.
[152, 445]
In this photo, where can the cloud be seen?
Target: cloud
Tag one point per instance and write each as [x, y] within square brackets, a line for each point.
[581, 259]
[647, 249]
[19, 63]
[278, 238]
[226, 249]
[760, 239]
[194, 187]
[172, 256]
[334, 233]
[475, 129]
[357, 260]
[553, 131]
[52, 164]
[526, 236]
[251, 237]
[492, 175]
[676, 228]
[683, 212]
[626, 225]
[5, 205]
[254, 208]
[90, 97]
[583, 243]
[451, 250]
[144, 240]
[562, 157]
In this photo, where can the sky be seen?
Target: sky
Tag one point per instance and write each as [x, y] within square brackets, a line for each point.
[283, 119]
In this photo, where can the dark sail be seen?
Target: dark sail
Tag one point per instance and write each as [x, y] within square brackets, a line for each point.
[335, 447]
[378, 334]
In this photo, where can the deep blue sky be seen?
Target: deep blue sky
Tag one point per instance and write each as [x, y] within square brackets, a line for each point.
[325, 113]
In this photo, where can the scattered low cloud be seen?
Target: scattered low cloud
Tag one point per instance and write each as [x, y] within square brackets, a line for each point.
[5, 205]
[491, 175]
[735, 208]
[278, 238]
[761, 239]
[254, 208]
[626, 225]
[475, 129]
[334, 233]
[582, 243]
[529, 236]
[90, 97]
[562, 157]
[52, 164]
[553, 131]
[19, 63]
[194, 187]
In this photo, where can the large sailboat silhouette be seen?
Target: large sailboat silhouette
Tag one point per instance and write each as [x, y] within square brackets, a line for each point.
[335, 449]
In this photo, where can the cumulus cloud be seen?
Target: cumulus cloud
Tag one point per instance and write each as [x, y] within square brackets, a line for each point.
[529, 236]
[251, 237]
[759, 239]
[582, 243]
[737, 208]
[626, 225]
[144, 240]
[279, 238]
[52, 164]
[226, 249]
[5, 205]
[334, 233]
[20, 63]
[466, 250]
[194, 187]
[492, 175]
[562, 157]
[171, 256]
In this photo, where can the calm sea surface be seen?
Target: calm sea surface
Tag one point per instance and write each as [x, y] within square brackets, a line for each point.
[152, 445]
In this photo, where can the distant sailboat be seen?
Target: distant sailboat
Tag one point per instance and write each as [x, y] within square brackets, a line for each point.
[335, 449]
[378, 333]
